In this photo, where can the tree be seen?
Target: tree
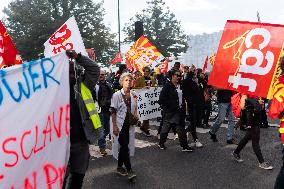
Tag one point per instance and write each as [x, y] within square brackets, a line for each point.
[31, 22]
[160, 27]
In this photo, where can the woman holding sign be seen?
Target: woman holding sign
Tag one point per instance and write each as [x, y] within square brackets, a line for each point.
[123, 118]
[145, 81]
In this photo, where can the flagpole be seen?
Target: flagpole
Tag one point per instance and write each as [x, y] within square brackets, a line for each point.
[258, 16]
[118, 13]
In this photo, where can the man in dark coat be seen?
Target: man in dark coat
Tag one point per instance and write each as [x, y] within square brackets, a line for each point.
[79, 133]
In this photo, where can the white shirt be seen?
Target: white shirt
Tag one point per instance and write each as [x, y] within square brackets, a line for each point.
[118, 104]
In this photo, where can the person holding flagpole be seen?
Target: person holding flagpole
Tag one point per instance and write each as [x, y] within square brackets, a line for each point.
[276, 110]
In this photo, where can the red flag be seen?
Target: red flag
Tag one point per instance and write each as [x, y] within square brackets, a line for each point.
[204, 69]
[277, 105]
[164, 66]
[247, 58]
[117, 59]
[143, 53]
[8, 52]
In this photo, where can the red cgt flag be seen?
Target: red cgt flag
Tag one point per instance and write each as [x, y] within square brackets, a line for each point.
[204, 69]
[117, 59]
[247, 60]
[8, 52]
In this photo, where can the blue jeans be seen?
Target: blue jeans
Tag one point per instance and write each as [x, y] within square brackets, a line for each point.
[279, 184]
[224, 109]
[105, 124]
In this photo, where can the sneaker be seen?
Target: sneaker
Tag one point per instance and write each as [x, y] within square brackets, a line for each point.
[158, 135]
[103, 152]
[176, 136]
[243, 128]
[264, 126]
[231, 141]
[213, 137]
[265, 165]
[187, 149]
[121, 171]
[145, 132]
[237, 157]
[131, 174]
[206, 126]
[198, 144]
[162, 146]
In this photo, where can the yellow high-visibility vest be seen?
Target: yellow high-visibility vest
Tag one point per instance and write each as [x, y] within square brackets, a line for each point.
[90, 105]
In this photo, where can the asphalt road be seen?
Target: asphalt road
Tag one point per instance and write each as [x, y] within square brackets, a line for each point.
[210, 167]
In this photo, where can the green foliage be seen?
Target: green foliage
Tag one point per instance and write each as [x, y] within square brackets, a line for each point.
[160, 27]
[32, 22]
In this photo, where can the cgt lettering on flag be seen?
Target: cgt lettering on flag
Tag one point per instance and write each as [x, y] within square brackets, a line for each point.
[59, 40]
[67, 37]
[259, 53]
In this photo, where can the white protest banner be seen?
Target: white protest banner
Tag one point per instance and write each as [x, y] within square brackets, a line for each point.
[67, 37]
[34, 117]
[148, 107]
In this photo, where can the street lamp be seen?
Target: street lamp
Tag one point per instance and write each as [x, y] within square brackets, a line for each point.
[118, 15]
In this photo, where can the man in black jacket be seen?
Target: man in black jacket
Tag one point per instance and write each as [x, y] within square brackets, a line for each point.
[172, 111]
[79, 135]
[194, 95]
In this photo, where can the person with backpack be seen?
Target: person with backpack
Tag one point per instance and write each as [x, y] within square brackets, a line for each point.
[252, 106]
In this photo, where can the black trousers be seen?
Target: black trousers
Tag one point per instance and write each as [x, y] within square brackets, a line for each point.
[195, 113]
[264, 117]
[123, 155]
[253, 133]
[161, 125]
[77, 166]
[279, 184]
[207, 110]
[167, 126]
[73, 181]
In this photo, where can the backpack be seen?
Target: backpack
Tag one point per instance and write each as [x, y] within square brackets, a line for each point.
[236, 104]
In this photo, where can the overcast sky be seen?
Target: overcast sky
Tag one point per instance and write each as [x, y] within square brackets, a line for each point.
[197, 16]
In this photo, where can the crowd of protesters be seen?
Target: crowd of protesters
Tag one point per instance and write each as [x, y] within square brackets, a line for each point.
[189, 108]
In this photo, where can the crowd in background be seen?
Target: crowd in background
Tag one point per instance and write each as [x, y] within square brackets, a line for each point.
[186, 103]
